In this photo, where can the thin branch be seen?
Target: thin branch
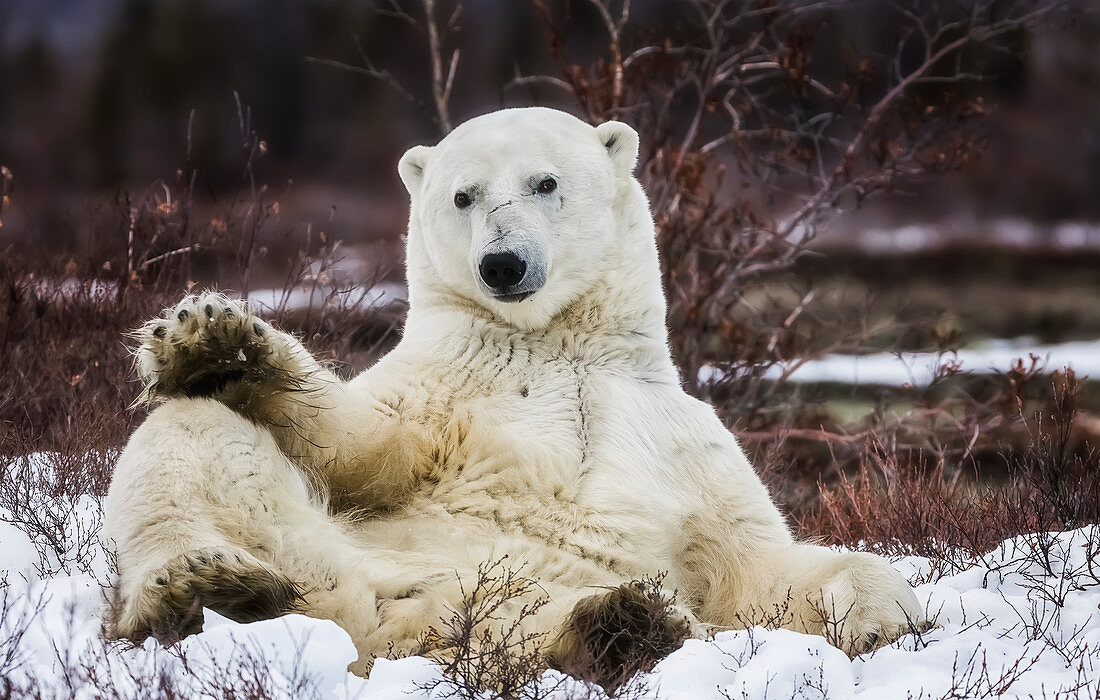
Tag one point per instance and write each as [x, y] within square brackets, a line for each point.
[368, 71]
[170, 254]
[440, 84]
[614, 32]
[527, 80]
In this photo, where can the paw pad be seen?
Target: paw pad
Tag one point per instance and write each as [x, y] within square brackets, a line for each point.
[201, 347]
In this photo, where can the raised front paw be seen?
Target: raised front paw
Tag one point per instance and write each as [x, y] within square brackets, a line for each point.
[866, 604]
[202, 345]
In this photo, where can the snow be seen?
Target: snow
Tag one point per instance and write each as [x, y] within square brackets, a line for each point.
[294, 298]
[1009, 626]
[299, 298]
[998, 234]
[17, 552]
[919, 368]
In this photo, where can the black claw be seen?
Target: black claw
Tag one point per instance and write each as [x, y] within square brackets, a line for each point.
[183, 315]
[259, 329]
[209, 311]
[159, 331]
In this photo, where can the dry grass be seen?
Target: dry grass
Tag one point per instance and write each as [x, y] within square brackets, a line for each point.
[901, 503]
[482, 646]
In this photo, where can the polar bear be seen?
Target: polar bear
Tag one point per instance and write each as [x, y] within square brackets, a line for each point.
[531, 410]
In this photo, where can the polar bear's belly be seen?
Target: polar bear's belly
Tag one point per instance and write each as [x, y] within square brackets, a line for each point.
[551, 460]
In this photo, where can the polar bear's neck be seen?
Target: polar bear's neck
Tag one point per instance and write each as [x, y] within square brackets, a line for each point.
[624, 310]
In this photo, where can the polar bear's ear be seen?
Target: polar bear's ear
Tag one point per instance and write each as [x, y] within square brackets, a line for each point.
[621, 143]
[411, 167]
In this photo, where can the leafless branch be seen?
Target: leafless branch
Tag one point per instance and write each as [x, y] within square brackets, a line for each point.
[441, 83]
[367, 70]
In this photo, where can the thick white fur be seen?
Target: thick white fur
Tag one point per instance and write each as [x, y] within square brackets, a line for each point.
[552, 430]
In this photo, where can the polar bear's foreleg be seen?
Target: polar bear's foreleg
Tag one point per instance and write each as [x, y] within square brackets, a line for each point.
[856, 600]
[360, 448]
[741, 574]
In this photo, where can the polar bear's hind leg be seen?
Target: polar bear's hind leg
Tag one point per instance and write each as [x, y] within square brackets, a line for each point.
[227, 580]
[203, 510]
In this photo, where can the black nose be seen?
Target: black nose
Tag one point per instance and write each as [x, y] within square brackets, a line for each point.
[501, 270]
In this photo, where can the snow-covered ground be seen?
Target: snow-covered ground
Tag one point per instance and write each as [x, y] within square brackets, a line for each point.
[996, 234]
[919, 368]
[299, 298]
[1021, 622]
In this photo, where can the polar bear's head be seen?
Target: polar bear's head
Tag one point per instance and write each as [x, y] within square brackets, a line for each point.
[519, 211]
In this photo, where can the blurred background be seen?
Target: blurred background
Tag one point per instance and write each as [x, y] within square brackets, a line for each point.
[97, 95]
[880, 221]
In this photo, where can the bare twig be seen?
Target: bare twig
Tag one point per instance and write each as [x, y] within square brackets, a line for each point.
[441, 83]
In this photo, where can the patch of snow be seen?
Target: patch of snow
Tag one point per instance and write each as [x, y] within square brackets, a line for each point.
[919, 368]
[1006, 233]
[18, 555]
[64, 536]
[907, 239]
[299, 298]
[1015, 233]
[1071, 235]
[71, 288]
[400, 679]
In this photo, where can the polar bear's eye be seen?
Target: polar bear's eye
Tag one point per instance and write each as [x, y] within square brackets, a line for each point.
[462, 200]
[547, 186]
